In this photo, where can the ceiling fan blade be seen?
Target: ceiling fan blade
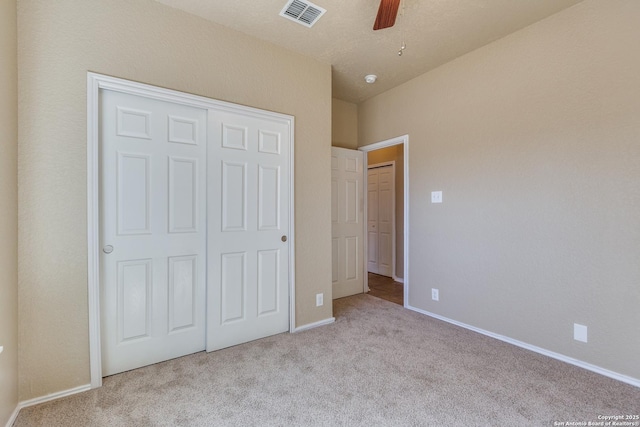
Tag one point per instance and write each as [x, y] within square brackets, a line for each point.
[387, 13]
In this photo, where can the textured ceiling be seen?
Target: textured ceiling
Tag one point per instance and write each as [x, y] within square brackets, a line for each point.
[435, 31]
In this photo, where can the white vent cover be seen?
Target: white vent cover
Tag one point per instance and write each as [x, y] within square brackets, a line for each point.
[302, 12]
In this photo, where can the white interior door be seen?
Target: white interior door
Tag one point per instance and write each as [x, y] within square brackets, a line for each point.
[372, 221]
[152, 230]
[248, 259]
[380, 220]
[347, 216]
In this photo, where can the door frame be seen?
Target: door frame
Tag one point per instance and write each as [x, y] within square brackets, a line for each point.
[393, 215]
[96, 82]
[404, 139]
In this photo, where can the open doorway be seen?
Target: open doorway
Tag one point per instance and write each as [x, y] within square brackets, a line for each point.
[386, 219]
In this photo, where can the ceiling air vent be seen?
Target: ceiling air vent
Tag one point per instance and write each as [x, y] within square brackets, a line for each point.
[302, 12]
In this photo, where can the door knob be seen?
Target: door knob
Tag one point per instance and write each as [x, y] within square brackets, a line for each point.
[283, 238]
[107, 249]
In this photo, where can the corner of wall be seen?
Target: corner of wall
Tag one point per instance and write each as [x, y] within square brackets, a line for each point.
[344, 124]
[8, 212]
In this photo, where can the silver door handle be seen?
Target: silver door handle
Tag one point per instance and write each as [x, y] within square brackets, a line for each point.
[107, 249]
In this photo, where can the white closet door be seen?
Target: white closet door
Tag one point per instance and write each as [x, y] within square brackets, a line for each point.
[347, 217]
[372, 221]
[380, 220]
[248, 211]
[153, 230]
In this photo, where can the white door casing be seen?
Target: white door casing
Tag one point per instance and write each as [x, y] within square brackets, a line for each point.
[139, 166]
[347, 221]
[380, 219]
[153, 217]
[404, 141]
[248, 261]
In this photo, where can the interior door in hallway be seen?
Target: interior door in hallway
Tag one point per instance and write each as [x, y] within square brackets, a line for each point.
[152, 230]
[380, 219]
[248, 228]
[347, 217]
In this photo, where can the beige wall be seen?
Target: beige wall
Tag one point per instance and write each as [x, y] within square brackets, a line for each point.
[344, 124]
[534, 141]
[395, 154]
[143, 41]
[8, 210]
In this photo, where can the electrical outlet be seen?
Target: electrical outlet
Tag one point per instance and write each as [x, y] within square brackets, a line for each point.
[435, 294]
[436, 197]
[319, 300]
[579, 332]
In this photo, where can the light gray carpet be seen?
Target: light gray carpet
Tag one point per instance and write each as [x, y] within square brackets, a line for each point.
[378, 365]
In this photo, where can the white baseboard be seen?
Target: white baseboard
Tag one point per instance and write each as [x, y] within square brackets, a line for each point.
[588, 366]
[43, 399]
[53, 396]
[398, 279]
[12, 418]
[314, 325]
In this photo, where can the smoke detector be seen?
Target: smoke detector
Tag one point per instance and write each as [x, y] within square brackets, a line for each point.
[303, 12]
[370, 78]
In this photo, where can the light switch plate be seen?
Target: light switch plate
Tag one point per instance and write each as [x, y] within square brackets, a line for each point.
[436, 197]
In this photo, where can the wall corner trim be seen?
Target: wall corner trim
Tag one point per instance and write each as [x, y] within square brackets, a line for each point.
[561, 357]
[313, 325]
[14, 415]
